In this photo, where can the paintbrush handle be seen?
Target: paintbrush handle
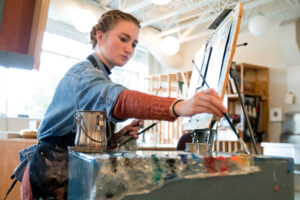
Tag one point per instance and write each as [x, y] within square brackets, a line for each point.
[144, 130]
[137, 125]
[226, 115]
[236, 133]
[231, 124]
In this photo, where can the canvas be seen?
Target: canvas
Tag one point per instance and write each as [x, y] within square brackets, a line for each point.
[213, 62]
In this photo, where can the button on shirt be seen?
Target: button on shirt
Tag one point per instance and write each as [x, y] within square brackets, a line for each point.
[83, 87]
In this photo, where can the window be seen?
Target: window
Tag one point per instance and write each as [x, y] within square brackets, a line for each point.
[131, 75]
[24, 92]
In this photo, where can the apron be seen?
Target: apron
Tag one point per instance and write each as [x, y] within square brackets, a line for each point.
[48, 171]
[48, 167]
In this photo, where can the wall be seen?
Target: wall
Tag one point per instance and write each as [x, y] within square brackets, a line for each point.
[265, 51]
[157, 68]
[12, 124]
[293, 85]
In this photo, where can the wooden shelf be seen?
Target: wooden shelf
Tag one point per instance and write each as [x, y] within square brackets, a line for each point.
[253, 81]
[235, 96]
[172, 85]
[232, 96]
[264, 97]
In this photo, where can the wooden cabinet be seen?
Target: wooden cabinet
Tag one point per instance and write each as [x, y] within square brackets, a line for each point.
[9, 160]
[254, 86]
[22, 27]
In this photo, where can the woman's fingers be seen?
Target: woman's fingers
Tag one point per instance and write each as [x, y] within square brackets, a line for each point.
[206, 101]
[134, 134]
[134, 128]
[209, 107]
[212, 102]
[212, 92]
[134, 123]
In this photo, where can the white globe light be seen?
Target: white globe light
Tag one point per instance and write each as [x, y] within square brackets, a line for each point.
[160, 2]
[83, 20]
[258, 25]
[169, 45]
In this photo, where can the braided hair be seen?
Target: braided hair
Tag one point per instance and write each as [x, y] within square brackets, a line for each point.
[108, 20]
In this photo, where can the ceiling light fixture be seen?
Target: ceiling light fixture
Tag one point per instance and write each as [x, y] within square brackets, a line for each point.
[259, 25]
[169, 45]
[160, 2]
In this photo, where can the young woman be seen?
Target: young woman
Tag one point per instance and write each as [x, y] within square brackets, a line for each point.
[87, 86]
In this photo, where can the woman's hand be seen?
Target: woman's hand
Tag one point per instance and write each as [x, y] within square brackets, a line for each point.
[131, 129]
[205, 101]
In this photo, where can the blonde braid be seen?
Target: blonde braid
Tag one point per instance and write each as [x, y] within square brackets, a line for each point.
[108, 20]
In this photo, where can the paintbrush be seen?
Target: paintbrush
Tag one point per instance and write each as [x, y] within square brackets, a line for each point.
[226, 116]
[144, 130]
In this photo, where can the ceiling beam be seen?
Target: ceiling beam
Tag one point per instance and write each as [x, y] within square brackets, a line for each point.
[244, 22]
[225, 4]
[195, 36]
[177, 12]
[138, 6]
[209, 18]
[186, 33]
[185, 26]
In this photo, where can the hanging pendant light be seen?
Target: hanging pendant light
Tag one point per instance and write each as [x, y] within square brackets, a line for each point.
[169, 45]
[258, 25]
[160, 2]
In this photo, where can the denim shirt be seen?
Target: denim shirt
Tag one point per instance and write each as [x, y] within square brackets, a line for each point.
[84, 87]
